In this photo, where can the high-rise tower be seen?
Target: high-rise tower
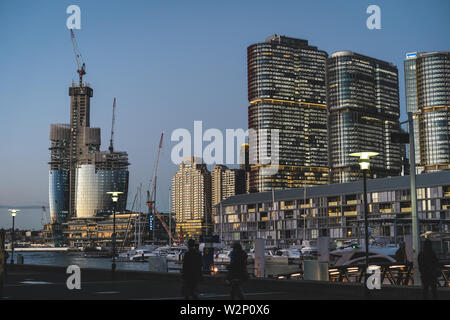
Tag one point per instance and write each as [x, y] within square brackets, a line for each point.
[364, 110]
[226, 182]
[83, 139]
[286, 91]
[427, 82]
[191, 198]
[59, 172]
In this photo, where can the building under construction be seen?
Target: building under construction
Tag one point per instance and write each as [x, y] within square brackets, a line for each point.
[80, 174]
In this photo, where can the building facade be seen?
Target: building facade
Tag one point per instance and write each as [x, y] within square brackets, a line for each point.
[59, 172]
[336, 211]
[191, 198]
[364, 110]
[427, 83]
[244, 164]
[97, 231]
[226, 183]
[81, 174]
[287, 94]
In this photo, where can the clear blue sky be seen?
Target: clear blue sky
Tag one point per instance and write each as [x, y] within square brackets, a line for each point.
[168, 63]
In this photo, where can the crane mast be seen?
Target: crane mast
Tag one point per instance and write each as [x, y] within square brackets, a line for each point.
[111, 147]
[79, 59]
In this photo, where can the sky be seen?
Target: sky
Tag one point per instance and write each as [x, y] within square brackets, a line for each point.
[169, 63]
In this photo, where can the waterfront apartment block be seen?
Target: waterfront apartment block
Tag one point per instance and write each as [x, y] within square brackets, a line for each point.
[286, 92]
[226, 182]
[286, 217]
[191, 198]
[364, 110]
[427, 83]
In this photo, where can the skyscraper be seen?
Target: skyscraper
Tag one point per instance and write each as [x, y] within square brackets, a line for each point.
[101, 173]
[191, 198]
[286, 91]
[80, 174]
[83, 139]
[59, 172]
[364, 110]
[226, 183]
[427, 82]
[244, 164]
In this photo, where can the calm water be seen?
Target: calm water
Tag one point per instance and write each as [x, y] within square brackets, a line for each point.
[64, 259]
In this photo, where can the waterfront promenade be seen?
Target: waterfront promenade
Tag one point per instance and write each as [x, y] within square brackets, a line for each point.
[42, 282]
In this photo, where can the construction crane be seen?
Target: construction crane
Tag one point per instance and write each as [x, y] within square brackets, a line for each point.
[111, 147]
[78, 57]
[164, 224]
[151, 195]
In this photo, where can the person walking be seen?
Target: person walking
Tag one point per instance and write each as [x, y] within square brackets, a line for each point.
[429, 269]
[192, 271]
[237, 271]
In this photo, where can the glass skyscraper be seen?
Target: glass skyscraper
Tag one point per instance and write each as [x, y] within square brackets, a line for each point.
[81, 174]
[364, 110]
[427, 82]
[92, 187]
[286, 91]
[59, 172]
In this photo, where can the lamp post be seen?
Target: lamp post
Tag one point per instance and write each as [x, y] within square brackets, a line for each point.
[364, 163]
[115, 198]
[408, 138]
[13, 234]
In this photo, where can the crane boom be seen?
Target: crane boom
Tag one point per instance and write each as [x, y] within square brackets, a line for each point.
[111, 147]
[79, 59]
[164, 224]
[151, 195]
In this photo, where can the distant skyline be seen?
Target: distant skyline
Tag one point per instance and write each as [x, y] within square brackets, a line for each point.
[168, 64]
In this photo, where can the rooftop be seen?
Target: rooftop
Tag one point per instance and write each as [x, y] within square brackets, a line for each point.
[373, 185]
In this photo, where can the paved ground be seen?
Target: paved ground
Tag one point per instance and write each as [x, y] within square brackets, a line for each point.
[52, 285]
[42, 283]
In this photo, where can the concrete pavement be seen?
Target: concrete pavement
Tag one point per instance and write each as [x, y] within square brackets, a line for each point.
[41, 282]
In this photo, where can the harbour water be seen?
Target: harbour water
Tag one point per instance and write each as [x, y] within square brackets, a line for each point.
[64, 259]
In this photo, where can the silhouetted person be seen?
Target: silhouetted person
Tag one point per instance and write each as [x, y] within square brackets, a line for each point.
[237, 271]
[401, 258]
[192, 270]
[429, 269]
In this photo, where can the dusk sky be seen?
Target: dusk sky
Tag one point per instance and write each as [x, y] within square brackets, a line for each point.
[169, 63]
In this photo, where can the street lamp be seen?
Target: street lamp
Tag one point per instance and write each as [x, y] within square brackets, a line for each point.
[13, 235]
[115, 198]
[364, 163]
